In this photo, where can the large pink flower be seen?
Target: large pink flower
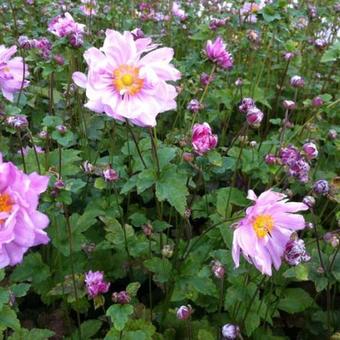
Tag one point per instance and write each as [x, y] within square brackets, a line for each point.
[21, 224]
[11, 72]
[264, 232]
[127, 79]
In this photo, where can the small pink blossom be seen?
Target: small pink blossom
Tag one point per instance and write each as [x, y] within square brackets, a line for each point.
[310, 150]
[216, 51]
[203, 139]
[89, 7]
[263, 233]
[178, 12]
[95, 283]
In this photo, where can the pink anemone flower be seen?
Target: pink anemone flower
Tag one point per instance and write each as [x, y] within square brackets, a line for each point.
[11, 72]
[127, 79]
[262, 235]
[21, 224]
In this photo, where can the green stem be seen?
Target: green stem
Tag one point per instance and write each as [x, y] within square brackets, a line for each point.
[136, 143]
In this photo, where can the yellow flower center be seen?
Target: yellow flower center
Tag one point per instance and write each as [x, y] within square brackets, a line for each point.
[263, 225]
[6, 204]
[254, 8]
[126, 80]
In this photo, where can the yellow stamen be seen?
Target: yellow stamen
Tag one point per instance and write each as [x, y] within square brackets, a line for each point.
[6, 204]
[263, 225]
[126, 80]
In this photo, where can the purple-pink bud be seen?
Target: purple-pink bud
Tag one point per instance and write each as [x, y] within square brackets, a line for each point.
[310, 150]
[218, 269]
[332, 134]
[184, 312]
[289, 105]
[206, 79]
[254, 117]
[246, 104]
[317, 101]
[110, 175]
[295, 252]
[62, 129]
[309, 201]
[216, 51]
[188, 157]
[59, 184]
[230, 331]
[270, 159]
[59, 59]
[194, 106]
[297, 81]
[203, 139]
[321, 187]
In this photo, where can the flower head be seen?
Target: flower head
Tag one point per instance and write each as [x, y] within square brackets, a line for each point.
[12, 71]
[289, 105]
[184, 312]
[230, 331]
[110, 175]
[178, 12]
[254, 117]
[216, 51]
[300, 170]
[89, 7]
[297, 81]
[218, 269]
[22, 225]
[321, 187]
[310, 150]
[263, 233]
[206, 79]
[127, 79]
[246, 104]
[317, 101]
[295, 252]
[95, 283]
[203, 139]
[194, 106]
[289, 155]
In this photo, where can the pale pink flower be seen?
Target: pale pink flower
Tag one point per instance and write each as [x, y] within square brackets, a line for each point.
[11, 72]
[216, 51]
[262, 235]
[89, 7]
[127, 79]
[21, 224]
[65, 26]
[203, 139]
[178, 12]
[95, 283]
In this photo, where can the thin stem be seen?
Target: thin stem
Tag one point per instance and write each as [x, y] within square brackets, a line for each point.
[317, 240]
[150, 282]
[154, 152]
[136, 143]
[35, 151]
[70, 240]
[22, 151]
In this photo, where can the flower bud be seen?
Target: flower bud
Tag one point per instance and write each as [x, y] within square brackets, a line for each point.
[184, 312]
[297, 81]
[88, 168]
[194, 106]
[332, 134]
[295, 252]
[24, 42]
[62, 129]
[218, 269]
[122, 297]
[335, 241]
[310, 150]
[137, 33]
[246, 104]
[253, 144]
[321, 187]
[254, 117]
[167, 251]
[239, 82]
[317, 101]
[43, 134]
[110, 175]
[205, 79]
[309, 201]
[309, 225]
[147, 230]
[270, 159]
[59, 59]
[59, 184]
[230, 331]
[289, 105]
[203, 139]
[288, 56]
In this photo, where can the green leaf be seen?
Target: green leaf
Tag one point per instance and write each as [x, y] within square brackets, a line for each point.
[299, 273]
[160, 267]
[33, 334]
[4, 296]
[119, 315]
[171, 186]
[89, 328]
[227, 196]
[132, 288]
[8, 318]
[295, 300]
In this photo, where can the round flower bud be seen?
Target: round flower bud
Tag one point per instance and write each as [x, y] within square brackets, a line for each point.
[218, 269]
[110, 175]
[194, 106]
[335, 241]
[43, 134]
[310, 150]
[205, 79]
[253, 144]
[288, 56]
[297, 81]
[270, 159]
[332, 134]
[59, 59]
[289, 105]
[167, 251]
[309, 225]
[123, 297]
[321, 187]
[309, 201]
[88, 168]
[254, 117]
[62, 129]
[230, 331]
[295, 252]
[328, 237]
[184, 312]
[147, 230]
[317, 101]
[59, 184]
[246, 104]
[24, 42]
[239, 82]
